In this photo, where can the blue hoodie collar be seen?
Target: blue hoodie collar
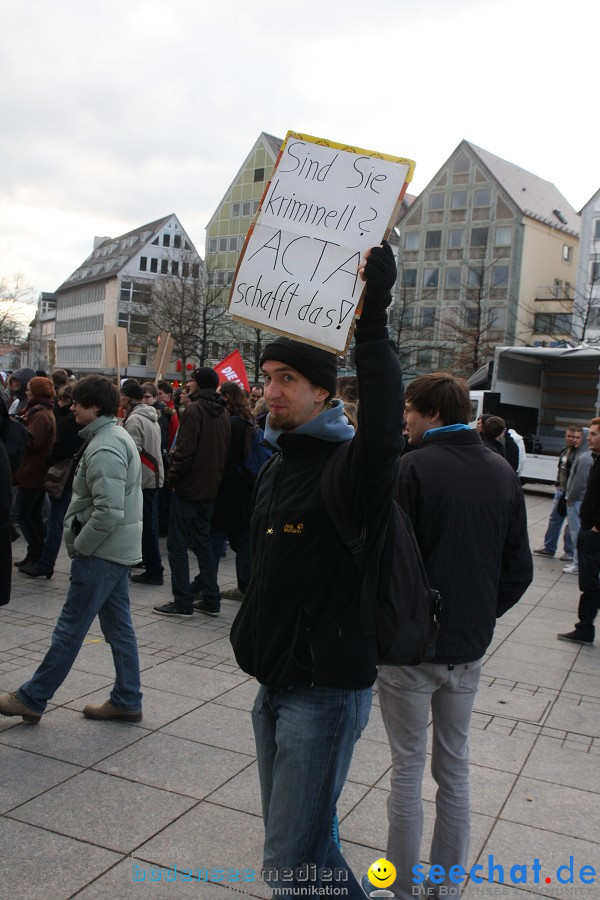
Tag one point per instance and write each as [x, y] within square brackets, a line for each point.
[458, 427]
[330, 425]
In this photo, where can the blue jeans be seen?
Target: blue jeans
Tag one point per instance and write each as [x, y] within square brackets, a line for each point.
[239, 539]
[150, 546]
[304, 743]
[54, 530]
[189, 526]
[408, 694]
[555, 523]
[98, 588]
[588, 553]
[574, 524]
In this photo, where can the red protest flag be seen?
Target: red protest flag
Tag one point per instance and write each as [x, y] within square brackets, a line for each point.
[232, 369]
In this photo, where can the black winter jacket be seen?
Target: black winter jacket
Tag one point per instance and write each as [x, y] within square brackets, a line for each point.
[299, 622]
[201, 449]
[468, 513]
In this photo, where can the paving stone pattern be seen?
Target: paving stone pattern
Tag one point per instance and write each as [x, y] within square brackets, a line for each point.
[113, 810]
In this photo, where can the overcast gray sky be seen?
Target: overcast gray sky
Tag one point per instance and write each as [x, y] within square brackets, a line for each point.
[117, 113]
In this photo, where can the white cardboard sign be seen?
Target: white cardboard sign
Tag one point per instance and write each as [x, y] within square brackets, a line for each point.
[325, 205]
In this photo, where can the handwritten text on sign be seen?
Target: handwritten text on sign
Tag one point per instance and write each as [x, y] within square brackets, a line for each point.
[325, 206]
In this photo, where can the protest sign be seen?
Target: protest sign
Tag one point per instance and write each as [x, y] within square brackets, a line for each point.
[324, 206]
[115, 348]
[232, 369]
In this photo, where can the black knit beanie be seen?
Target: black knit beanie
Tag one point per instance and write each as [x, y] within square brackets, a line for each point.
[319, 366]
[132, 389]
[205, 377]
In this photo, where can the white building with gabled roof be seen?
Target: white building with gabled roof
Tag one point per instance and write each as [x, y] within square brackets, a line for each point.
[113, 286]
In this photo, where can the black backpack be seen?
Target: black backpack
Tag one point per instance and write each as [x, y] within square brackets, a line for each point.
[16, 438]
[403, 611]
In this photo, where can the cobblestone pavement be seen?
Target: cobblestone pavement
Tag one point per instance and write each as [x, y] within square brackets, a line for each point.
[113, 810]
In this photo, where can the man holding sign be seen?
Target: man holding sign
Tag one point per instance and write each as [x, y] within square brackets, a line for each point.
[299, 630]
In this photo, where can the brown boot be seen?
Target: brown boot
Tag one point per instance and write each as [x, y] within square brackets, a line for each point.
[10, 705]
[107, 710]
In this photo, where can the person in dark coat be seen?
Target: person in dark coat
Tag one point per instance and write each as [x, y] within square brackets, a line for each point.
[194, 477]
[233, 505]
[467, 509]
[38, 416]
[66, 446]
[5, 509]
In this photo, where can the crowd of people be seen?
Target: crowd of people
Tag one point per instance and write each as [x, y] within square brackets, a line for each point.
[210, 464]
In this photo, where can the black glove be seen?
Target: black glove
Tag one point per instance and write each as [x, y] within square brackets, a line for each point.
[380, 274]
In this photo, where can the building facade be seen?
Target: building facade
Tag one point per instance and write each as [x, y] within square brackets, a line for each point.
[113, 286]
[487, 256]
[225, 235]
[586, 303]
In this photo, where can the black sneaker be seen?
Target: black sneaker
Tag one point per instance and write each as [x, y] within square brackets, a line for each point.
[543, 552]
[171, 609]
[207, 610]
[146, 578]
[574, 637]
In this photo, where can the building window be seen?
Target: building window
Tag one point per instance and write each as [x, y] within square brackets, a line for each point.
[483, 197]
[425, 358]
[246, 208]
[503, 236]
[597, 230]
[185, 269]
[497, 318]
[471, 317]
[174, 267]
[143, 263]
[154, 264]
[177, 241]
[458, 200]
[433, 240]
[431, 278]
[233, 244]
[212, 245]
[453, 277]
[409, 278]
[500, 276]
[552, 323]
[222, 245]
[479, 237]
[567, 253]
[195, 270]
[436, 201]
[461, 164]
[412, 239]
[428, 317]
[164, 267]
[235, 210]
[474, 278]
[259, 175]
[166, 240]
[135, 291]
[155, 241]
[456, 238]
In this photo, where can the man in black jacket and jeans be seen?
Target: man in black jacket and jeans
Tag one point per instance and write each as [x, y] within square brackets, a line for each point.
[588, 549]
[298, 630]
[466, 506]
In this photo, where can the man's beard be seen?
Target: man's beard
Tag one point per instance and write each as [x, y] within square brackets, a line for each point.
[281, 422]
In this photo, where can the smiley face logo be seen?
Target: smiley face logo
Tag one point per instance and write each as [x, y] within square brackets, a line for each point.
[381, 873]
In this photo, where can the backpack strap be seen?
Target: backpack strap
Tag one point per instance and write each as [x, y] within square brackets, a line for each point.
[335, 500]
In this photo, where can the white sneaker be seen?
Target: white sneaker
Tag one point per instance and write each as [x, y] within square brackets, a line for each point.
[571, 570]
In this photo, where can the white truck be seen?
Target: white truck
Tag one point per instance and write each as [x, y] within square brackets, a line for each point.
[542, 390]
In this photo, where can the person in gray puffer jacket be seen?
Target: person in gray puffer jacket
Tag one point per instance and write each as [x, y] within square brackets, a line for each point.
[141, 423]
[576, 485]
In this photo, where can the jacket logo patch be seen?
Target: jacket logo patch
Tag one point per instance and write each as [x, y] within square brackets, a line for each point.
[269, 531]
[293, 529]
